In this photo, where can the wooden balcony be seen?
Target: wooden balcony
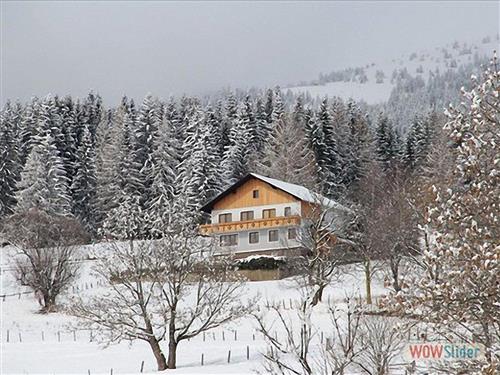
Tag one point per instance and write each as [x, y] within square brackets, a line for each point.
[237, 226]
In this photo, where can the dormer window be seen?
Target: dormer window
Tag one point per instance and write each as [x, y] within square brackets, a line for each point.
[255, 194]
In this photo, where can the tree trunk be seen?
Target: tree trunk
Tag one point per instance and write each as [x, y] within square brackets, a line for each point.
[318, 295]
[160, 358]
[172, 354]
[368, 281]
[48, 302]
[395, 275]
[172, 342]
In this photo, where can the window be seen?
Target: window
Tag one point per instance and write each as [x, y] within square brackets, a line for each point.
[253, 237]
[267, 214]
[273, 235]
[288, 211]
[225, 218]
[229, 240]
[292, 233]
[255, 193]
[246, 215]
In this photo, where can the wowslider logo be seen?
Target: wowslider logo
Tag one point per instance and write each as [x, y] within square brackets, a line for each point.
[435, 351]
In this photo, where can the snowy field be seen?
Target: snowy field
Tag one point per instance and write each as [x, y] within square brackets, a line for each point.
[37, 343]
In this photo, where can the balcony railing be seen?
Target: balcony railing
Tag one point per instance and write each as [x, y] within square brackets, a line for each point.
[236, 226]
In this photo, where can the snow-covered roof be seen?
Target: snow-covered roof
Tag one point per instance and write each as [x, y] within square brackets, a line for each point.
[298, 191]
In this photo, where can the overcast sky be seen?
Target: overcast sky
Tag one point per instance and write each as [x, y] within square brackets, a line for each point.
[170, 48]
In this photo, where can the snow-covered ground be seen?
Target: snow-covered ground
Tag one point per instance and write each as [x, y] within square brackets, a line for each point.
[37, 343]
[418, 63]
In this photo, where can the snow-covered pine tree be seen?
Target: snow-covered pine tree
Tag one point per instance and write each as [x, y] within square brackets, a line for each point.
[84, 184]
[145, 132]
[43, 183]
[269, 106]
[287, 155]
[167, 158]
[197, 180]
[459, 291]
[236, 158]
[324, 146]
[262, 129]
[27, 128]
[278, 106]
[69, 129]
[416, 144]
[9, 158]
[386, 145]
[119, 171]
[357, 150]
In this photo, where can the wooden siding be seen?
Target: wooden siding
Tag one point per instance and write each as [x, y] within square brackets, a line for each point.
[243, 196]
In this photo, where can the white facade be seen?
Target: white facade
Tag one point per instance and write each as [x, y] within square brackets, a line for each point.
[243, 241]
[257, 211]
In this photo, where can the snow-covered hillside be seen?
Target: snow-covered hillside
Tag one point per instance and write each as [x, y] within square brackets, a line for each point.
[374, 81]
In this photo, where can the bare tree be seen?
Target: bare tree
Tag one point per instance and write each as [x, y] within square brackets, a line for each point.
[200, 290]
[324, 223]
[386, 226]
[289, 354]
[381, 342]
[297, 350]
[46, 247]
[171, 289]
[132, 307]
[344, 348]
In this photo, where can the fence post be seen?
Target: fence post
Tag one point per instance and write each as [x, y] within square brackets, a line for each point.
[58, 336]
[8, 334]
[203, 336]
[20, 338]
[229, 356]
[235, 335]
[111, 372]
[248, 352]
[202, 359]
[223, 336]
[43, 336]
[142, 366]
[74, 335]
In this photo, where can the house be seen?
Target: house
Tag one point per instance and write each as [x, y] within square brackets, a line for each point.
[262, 215]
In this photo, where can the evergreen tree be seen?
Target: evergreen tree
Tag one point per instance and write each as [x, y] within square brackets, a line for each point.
[84, 185]
[269, 106]
[357, 151]
[145, 132]
[324, 146]
[287, 155]
[386, 142]
[9, 159]
[44, 183]
[417, 143]
[236, 158]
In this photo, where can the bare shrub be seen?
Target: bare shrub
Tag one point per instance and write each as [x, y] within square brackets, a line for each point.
[381, 342]
[46, 248]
